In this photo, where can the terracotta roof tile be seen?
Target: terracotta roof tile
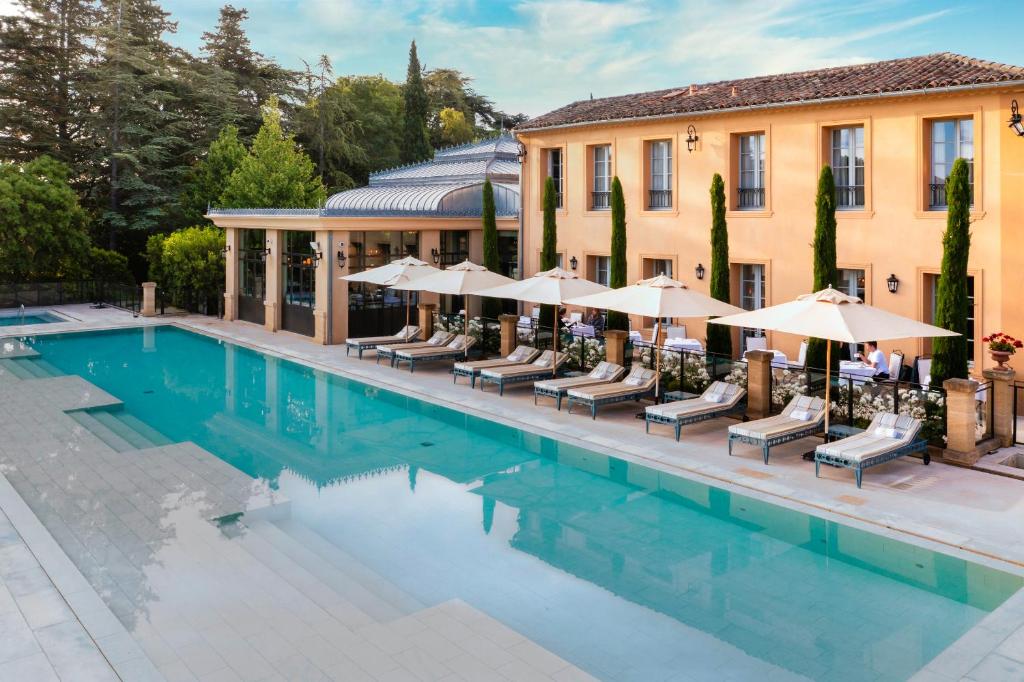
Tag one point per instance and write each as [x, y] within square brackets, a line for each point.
[932, 71]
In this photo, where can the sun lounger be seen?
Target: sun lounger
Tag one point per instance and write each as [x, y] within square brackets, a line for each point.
[455, 350]
[517, 374]
[406, 335]
[604, 373]
[521, 355]
[720, 398]
[438, 340]
[888, 437]
[802, 417]
[638, 384]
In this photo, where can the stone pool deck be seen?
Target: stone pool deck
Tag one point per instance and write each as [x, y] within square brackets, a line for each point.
[951, 509]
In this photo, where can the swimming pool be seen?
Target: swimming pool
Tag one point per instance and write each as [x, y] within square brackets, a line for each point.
[624, 571]
[9, 319]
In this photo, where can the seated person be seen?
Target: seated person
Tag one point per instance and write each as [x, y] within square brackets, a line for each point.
[875, 359]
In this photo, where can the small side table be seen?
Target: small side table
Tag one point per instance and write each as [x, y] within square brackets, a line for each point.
[673, 396]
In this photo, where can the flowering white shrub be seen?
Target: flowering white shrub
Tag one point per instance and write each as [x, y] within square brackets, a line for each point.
[869, 399]
[786, 384]
[737, 375]
[687, 371]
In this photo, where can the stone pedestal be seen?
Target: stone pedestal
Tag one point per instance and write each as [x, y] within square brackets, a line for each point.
[425, 312]
[759, 383]
[148, 299]
[509, 339]
[961, 420]
[1002, 406]
[230, 307]
[615, 346]
[320, 322]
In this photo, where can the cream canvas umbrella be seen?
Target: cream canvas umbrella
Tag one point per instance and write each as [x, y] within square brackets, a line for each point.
[551, 287]
[459, 280]
[657, 297]
[835, 316]
[403, 270]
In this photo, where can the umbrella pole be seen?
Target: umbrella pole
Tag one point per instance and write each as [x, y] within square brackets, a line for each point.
[408, 295]
[554, 340]
[465, 325]
[828, 384]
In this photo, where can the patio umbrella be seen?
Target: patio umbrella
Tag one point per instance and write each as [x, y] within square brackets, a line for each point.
[403, 270]
[657, 297]
[835, 316]
[458, 280]
[551, 287]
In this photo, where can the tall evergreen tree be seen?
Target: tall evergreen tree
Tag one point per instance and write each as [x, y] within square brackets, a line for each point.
[826, 272]
[549, 242]
[719, 337]
[256, 78]
[415, 140]
[275, 173]
[617, 262]
[210, 175]
[492, 261]
[46, 83]
[952, 308]
[327, 126]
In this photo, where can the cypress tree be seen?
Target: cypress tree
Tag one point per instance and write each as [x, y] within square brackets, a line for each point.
[949, 353]
[826, 273]
[719, 337]
[549, 242]
[617, 262]
[415, 139]
[492, 307]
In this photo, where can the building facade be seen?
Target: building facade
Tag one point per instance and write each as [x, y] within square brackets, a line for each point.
[890, 130]
[284, 266]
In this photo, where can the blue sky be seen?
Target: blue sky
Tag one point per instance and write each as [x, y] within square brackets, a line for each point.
[535, 55]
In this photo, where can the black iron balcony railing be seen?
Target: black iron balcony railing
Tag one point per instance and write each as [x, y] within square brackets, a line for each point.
[600, 201]
[937, 192]
[659, 198]
[850, 196]
[751, 198]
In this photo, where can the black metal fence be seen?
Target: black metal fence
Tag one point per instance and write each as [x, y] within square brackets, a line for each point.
[47, 293]
[485, 330]
[689, 371]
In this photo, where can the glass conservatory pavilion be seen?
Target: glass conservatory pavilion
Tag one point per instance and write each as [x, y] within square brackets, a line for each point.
[284, 265]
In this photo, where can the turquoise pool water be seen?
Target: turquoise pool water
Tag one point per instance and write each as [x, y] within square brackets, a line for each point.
[625, 572]
[9, 320]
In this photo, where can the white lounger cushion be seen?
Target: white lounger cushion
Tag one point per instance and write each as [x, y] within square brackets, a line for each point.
[587, 380]
[639, 380]
[638, 376]
[869, 443]
[521, 354]
[728, 394]
[780, 424]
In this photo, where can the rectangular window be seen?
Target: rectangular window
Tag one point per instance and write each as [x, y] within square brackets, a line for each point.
[971, 332]
[601, 189]
[601, 269]
[752, 296]
[556, 171]
[751, 165]
[952, 139]
[660, 182]
[848, 166]
[852, 282]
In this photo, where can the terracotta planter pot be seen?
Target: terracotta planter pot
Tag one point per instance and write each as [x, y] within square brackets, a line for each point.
[1001, 357]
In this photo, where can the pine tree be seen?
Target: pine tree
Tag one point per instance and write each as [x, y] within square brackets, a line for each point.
[492, 261]
[952, 309]
[46, 59]
[719, 337]
[617, 262]
[328, 125]
[415, 140]
[826, 272]
[275, 173]
[210, 175]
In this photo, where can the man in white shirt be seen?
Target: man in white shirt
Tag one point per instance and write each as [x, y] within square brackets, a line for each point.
[875, 359]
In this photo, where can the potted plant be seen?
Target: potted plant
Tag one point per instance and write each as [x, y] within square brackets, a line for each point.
[1002, 346]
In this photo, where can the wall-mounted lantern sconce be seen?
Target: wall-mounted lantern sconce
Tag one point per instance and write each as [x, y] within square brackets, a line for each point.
[1015, 119]
[435, 255]
[573, 263]
[266, 251]
[317, 253]
[699, 271]
[691, 138]
[341, 257]
[893, 283]
[521, 154]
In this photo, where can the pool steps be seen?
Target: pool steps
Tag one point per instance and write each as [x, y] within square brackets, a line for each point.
[118, 429]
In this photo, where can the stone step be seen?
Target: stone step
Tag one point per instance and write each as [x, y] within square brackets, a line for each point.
[147, 431]
[335, 556]
[252, 538]
[367, 590]
[97, 428]
[51, 370]
[11, 370]
[112, 421]
[34, 369]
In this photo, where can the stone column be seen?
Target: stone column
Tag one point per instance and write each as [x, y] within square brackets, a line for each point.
[426, 318]
[232, 239]
[759, 383]
[272, 297]
[615, 346]
[961, 420]
[509, 339]
[322, 282]
[429, 239]
[339, 316]
[1002, 407]
[148, 299]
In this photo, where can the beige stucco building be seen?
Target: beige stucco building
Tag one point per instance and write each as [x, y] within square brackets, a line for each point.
[891, 131]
